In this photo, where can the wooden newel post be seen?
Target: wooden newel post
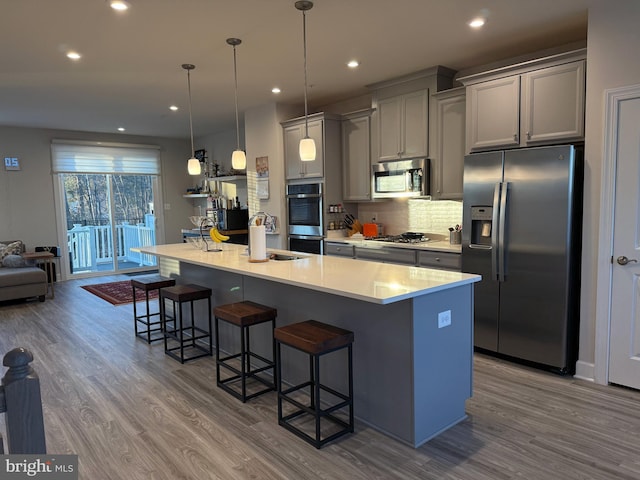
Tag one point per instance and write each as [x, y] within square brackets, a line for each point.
[22, 404]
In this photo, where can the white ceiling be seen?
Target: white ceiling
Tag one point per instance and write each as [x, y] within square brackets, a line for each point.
[131, 67]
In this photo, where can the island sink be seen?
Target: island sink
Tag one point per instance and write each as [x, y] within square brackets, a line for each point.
[282, 256]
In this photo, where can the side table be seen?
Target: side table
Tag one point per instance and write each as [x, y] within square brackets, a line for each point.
[47, 259]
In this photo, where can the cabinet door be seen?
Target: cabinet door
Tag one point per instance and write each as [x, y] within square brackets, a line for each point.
[295, 168]
[414, 124]
[553, 104]
[315, 168]
[441, 260]
[292, 136]
[448, 144]
[493, 114]
[389, 115]
[356, 158]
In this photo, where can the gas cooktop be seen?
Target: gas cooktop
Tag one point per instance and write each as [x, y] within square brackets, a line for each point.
[407, 237]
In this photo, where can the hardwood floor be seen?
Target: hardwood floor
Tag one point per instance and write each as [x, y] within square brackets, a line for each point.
[131, 412]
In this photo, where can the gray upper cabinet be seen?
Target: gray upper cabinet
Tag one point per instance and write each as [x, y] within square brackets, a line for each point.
[356, 156]
[534, 103]
[294, 131]
[553, 101]
[448, 143]
[403, 125]
[493, 113]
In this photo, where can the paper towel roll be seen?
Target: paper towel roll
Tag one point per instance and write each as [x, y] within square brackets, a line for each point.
[258, 242]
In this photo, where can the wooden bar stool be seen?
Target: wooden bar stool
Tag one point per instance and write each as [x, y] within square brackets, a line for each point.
[315, 339]
[184, 338]
[244, 315]
[148, 283]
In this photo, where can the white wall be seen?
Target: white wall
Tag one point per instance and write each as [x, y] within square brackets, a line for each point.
[27, 209]
[265, 139]
[612, 61]
[220, 146]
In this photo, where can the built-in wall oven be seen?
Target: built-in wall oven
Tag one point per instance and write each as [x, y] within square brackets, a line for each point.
[305, 217]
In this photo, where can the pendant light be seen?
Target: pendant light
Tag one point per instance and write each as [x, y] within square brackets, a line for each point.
[238, 158]
[307, 145]
[193, 165]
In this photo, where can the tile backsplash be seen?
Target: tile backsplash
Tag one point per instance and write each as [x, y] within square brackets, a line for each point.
[413, 215]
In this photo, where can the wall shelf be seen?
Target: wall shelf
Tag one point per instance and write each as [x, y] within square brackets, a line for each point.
[228, 178]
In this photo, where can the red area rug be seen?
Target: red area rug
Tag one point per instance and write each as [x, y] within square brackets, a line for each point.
[118, 293]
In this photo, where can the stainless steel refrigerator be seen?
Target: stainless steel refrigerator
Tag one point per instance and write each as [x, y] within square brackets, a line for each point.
[522, 217]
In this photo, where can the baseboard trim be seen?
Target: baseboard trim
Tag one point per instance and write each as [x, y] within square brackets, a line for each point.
[585, 371]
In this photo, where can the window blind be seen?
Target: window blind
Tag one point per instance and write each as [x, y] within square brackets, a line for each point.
[115, 158]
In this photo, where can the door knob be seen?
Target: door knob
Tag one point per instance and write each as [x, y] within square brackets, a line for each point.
[622, 260]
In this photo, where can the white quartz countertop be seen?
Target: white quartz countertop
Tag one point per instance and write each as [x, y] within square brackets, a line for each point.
[363, 280]
[431, 245]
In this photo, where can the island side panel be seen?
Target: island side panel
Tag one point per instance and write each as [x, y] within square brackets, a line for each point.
[443, 360]
[382, 350]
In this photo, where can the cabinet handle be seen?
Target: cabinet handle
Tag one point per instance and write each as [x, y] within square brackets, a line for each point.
[437, 259]
[528, 135]
[515, 137]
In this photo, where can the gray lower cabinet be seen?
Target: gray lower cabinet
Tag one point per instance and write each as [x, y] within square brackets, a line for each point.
[400, 256]
[339, 249]
[442, 260]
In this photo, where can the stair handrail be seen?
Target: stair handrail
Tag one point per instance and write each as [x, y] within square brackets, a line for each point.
[21, 402]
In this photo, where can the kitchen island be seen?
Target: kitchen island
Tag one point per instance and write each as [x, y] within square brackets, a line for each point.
[413, 349]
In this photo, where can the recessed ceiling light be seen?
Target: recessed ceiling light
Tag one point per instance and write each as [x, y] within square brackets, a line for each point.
[73, 55]
[353, 63]
[275, 90]
[173, 108]
[121, 129]
[477, 22]
[119, 5]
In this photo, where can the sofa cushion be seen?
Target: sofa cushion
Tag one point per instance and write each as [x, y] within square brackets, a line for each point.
[13, 261]
[12, 277]
[13, 248]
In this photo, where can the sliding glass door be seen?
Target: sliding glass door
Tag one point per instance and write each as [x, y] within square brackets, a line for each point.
[105, 217]
[105, 195]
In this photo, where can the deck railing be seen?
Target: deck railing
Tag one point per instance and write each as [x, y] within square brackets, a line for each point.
[92, 245]
[21, 403]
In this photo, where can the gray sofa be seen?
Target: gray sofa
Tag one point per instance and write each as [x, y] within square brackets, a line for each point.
[23, 281]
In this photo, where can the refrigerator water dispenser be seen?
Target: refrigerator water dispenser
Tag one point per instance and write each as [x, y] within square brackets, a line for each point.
[481, 225]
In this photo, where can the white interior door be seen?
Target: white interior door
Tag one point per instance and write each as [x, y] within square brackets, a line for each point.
[624, 347]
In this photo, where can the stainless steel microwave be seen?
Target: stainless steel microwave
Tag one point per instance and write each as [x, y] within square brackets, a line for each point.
[401, 178]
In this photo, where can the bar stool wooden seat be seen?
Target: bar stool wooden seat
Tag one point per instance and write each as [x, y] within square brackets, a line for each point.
[184, 341]
[315, 339]
[143, 325]
[244, 315]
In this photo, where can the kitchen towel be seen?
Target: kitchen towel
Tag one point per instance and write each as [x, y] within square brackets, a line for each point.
[258, 242]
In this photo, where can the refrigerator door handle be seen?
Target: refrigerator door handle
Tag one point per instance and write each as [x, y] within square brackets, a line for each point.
[494, 232]
[502, 270]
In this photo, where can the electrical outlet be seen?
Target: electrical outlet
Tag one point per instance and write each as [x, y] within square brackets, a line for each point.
[444, 319]
[167, 206]
[374, 217]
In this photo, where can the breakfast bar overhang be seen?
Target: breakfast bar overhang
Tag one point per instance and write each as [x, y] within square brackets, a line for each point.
[413, 326]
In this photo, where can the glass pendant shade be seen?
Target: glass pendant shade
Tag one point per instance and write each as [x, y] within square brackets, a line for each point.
[307, 150]
[238, 160]
[193, 166]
